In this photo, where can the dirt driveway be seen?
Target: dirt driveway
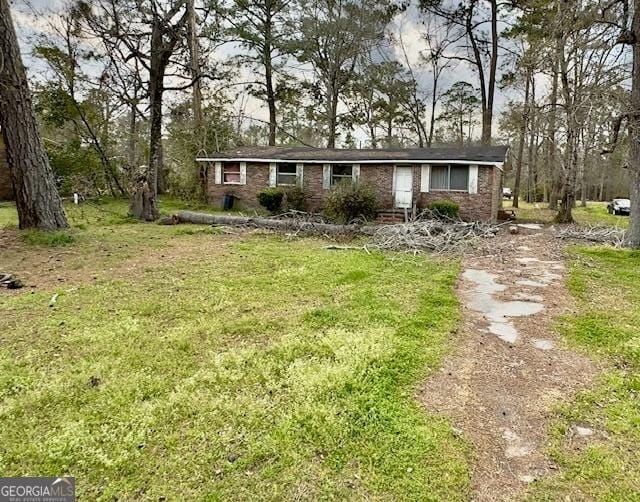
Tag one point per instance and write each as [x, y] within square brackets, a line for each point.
[509, 368]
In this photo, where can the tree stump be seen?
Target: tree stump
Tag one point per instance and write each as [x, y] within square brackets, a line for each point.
[143, 203]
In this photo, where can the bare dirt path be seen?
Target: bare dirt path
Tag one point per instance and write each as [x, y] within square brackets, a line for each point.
[509, 369]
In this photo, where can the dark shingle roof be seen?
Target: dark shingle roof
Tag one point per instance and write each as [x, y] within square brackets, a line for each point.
[488, 154]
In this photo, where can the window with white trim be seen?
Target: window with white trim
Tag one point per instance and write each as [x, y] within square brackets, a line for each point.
[340, 173]
[286, 174]
[231, 173]
[451, 177]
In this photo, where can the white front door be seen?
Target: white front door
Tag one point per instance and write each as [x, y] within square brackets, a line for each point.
[403, 195]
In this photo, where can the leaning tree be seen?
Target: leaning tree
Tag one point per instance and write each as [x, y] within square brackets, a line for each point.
[37, 199]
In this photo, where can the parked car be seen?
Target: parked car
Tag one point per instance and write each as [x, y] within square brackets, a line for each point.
[619, 206]
[506, 193]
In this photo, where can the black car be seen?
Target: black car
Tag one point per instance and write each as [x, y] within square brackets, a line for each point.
[619, 206]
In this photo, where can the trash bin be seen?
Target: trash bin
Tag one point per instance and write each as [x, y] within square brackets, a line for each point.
[227, 201]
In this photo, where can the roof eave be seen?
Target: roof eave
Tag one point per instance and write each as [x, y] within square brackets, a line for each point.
[496, 163]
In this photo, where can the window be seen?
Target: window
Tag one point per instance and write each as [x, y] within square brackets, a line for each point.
[287, 175]
[459, 178]
[231, 172]
[450, 177]
[340, 173]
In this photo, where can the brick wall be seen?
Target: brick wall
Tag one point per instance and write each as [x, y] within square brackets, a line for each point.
[6, 188]
[257, 179]
[480, 206]
[496, 202]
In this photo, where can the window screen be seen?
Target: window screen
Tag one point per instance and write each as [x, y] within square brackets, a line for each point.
[459, 178]
[439, 177]
[452, 177]
[287, 174]
[341, 173]
[231, 172]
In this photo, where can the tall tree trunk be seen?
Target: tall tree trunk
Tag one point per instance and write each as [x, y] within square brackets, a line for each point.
[487, 113]
[144, 199]
[434, 102]
[551, 154]
[633, 234]
[372, 133]
[268, 73]
[583, 171]
[132, 157]
[332, 118]
[531, 183]
[601, 188]
[37, 200]
[567, 199]
[161, 181]
[196, 96]
[521, 141]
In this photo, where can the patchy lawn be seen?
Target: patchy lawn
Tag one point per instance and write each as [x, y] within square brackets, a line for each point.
[594, 214]
[181, 363]
[606, 464]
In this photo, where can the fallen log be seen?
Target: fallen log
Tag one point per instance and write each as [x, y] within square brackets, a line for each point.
[291, 225]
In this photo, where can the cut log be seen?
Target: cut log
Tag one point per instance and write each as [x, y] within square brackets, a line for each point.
[169, 220]
[288, 225]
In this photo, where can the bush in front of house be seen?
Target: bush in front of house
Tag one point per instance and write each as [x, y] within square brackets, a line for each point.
[271, 199]
[445, 208]
[297, 199]
[350, 201]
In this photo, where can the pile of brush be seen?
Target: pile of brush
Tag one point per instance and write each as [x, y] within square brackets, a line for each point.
[603, 235]
[432, 233]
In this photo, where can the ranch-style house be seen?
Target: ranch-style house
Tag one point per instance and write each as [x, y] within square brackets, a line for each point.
[408, 178]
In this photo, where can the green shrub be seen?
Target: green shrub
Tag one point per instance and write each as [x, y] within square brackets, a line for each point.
[271, 199]
[445, 208]
[296, 198]
[348, 201]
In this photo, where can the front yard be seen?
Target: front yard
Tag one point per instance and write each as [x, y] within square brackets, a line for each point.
[594, 214]
[186, 363]
[180, 363]
[605, 463]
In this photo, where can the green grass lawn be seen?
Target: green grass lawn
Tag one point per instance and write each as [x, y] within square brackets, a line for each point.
[607, 465]
[181, 363]
[595, 213]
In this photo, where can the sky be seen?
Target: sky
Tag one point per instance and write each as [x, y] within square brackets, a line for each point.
[33, 17]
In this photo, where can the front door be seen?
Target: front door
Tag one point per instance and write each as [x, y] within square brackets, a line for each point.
[403, 196]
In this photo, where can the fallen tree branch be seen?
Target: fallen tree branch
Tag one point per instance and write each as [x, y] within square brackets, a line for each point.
[603, 235]
[287, 225]
[434, 234]
[425, 233]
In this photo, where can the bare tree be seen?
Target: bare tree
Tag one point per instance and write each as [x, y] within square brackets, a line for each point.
[64, 54]
[439, 39]
[524, 122]
[333, 35]
[467, 19]
[263, 27]
[150, 33]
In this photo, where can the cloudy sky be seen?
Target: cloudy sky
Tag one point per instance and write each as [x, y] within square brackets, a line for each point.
[34, 17]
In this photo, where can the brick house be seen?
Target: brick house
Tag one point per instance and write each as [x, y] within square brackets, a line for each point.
[402, 178]
[6, 187]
